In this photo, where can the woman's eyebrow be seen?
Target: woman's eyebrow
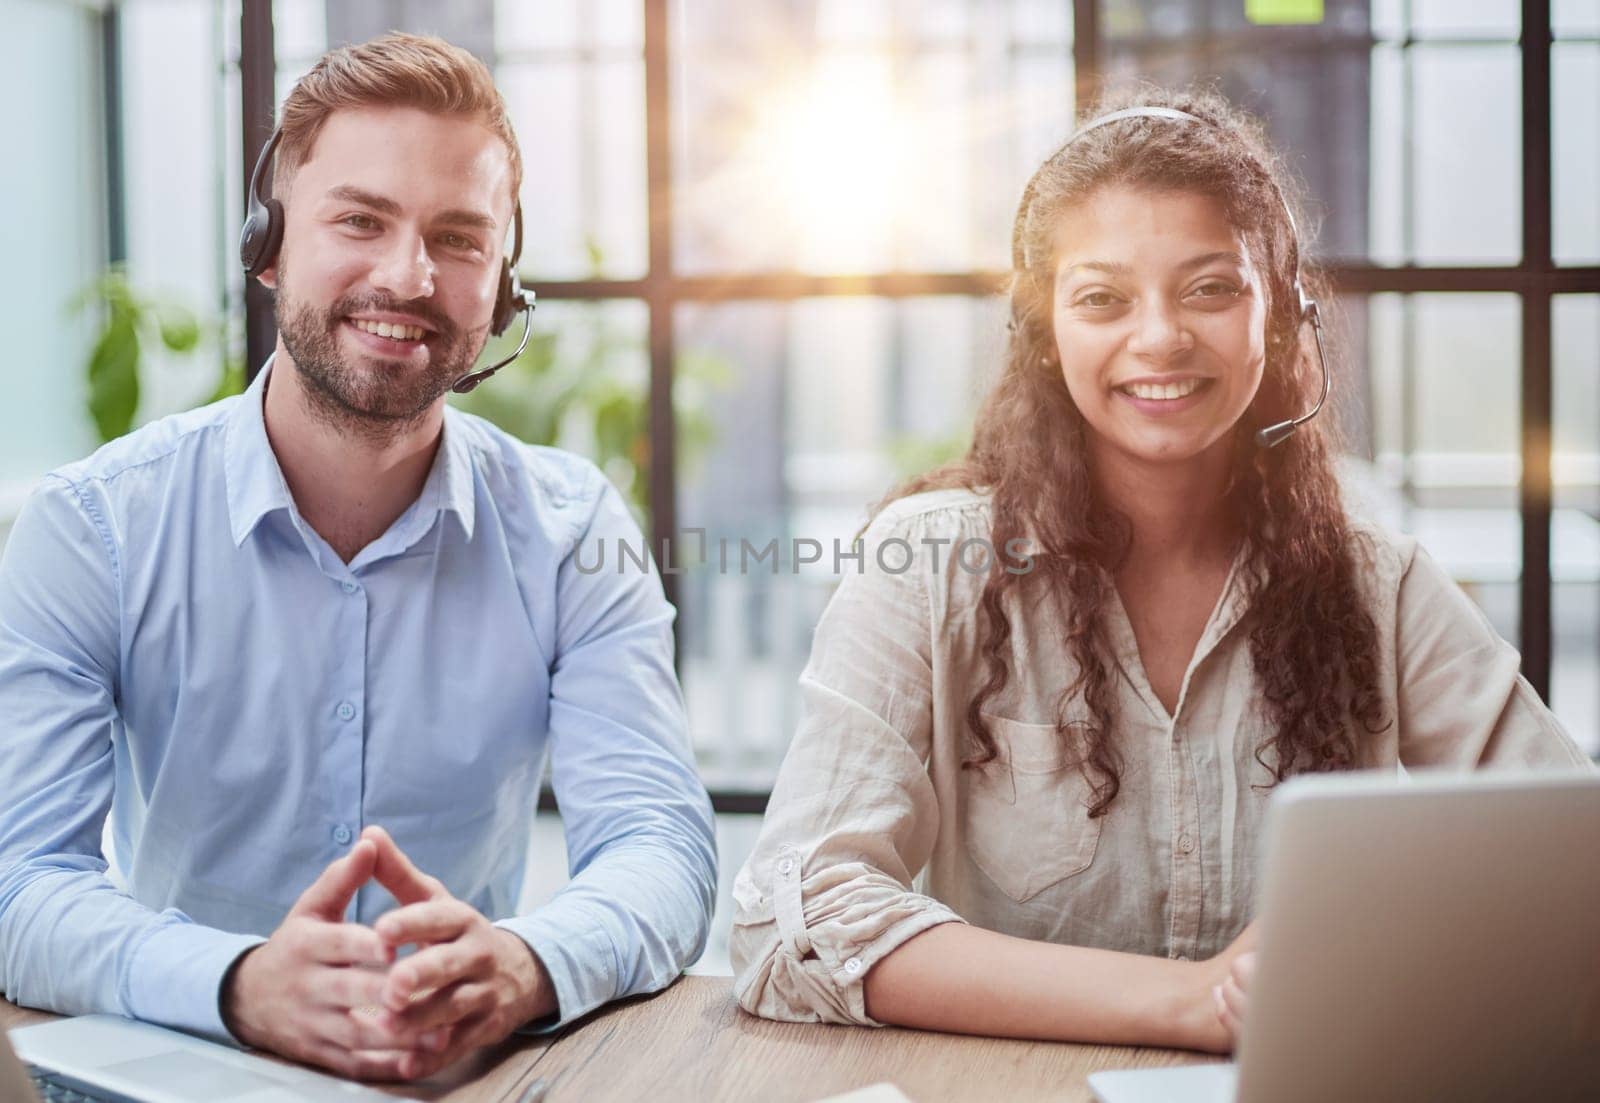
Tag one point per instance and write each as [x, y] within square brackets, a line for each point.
[1115, 269]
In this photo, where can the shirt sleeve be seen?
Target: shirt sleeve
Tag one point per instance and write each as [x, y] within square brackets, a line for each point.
[70, 940]
[641, 844]
[1461, 699]
[826, 894]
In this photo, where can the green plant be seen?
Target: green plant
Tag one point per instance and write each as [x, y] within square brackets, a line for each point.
[132, 319]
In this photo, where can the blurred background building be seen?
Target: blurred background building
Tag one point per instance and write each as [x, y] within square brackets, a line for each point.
[767, 237]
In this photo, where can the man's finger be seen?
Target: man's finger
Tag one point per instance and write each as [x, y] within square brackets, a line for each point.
[395, 871]
[443, 1008]
[329, 895]
[429, 921]
[463, 1038]
[346, 988]
[359, 1064]
[346, 944]
[434, 968]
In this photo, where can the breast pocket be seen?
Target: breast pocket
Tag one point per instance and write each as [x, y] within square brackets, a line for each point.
[1026, 812]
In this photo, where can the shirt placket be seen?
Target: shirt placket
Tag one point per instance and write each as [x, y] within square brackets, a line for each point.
[346, 717]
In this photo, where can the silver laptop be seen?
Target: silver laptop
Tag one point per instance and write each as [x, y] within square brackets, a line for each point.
[1424, 938]
[108, 1058]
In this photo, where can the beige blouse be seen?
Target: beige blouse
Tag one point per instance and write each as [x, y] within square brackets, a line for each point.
[875, 832]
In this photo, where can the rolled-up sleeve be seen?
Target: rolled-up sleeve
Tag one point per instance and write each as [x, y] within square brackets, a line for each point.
[853, 817]
[1462, 699]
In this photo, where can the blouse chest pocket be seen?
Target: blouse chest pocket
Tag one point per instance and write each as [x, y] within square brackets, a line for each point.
[1026, 812]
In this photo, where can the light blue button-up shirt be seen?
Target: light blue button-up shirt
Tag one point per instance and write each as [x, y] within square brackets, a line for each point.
[179, 647]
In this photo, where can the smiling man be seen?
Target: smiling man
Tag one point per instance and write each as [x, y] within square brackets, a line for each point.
[309, 648]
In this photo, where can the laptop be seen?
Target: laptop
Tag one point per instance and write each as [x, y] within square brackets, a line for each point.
[1432, 937]
[115, 1060]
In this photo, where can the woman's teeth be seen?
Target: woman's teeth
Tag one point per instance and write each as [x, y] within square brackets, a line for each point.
[1162, 391]
[384, 329]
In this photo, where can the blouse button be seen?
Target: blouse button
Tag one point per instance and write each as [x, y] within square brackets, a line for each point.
[853, 966]
[786, 867]
[1185, 843]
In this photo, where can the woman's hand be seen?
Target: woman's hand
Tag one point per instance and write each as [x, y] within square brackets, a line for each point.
[1211, 1013]
[1232, 996]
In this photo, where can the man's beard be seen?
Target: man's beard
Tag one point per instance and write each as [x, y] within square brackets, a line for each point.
[366, 395]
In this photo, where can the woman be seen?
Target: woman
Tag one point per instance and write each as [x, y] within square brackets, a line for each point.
[1069, 748]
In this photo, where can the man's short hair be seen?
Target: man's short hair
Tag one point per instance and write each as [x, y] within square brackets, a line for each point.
[394, 70]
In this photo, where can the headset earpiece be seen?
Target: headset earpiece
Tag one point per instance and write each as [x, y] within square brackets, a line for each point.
[509, 300]
[262, 232]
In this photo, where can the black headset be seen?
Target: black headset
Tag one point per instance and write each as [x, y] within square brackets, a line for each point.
[1272, 435]
[262, 234]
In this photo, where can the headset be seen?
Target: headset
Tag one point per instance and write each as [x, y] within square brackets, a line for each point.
[262, 234]
[1272, 435]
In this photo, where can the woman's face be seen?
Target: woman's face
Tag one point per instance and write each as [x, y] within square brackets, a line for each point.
[1159, 322]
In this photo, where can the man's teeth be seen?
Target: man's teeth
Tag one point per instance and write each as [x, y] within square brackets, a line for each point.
[1164, 391]
[385, 329]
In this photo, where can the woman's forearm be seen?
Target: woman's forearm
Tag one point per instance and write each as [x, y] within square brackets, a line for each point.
[967, 980]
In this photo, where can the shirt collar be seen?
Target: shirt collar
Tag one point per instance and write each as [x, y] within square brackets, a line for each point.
[256, 487]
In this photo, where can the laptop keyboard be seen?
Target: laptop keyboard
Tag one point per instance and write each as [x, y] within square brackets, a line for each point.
[52, 1090]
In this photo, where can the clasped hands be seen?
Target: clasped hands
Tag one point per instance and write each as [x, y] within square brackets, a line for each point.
[331, 993]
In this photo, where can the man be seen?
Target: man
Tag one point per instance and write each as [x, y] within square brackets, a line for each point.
[322, 635]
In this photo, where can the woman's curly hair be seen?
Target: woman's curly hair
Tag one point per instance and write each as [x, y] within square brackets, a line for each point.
[1313, 643]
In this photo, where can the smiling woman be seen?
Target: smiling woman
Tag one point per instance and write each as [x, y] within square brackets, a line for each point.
[1027, 797]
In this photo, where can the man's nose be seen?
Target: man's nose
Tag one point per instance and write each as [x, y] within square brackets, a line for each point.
[405, 270]
[1159, 331]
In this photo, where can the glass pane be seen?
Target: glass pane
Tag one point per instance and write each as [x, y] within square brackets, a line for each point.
[179, 223]
[299, 32]
[1575, 151]
[794, 419]
[1466, 18]
[1387, 187]
[1445, 400]
[1575, 525]
[581, 129]
[1570, 18]
[845, 138]
[1466, 130]
[44, 422]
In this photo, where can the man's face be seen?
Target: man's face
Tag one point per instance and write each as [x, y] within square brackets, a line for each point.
[390, 261]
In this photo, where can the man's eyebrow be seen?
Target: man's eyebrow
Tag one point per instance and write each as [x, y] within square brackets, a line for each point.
[1115, 269]
[456, 216]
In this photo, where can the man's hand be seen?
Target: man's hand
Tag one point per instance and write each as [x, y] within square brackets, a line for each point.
[471, 983]
[300, 993]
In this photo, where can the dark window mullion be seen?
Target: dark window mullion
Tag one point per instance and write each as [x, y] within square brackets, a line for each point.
[659, 287]
[1535, 489]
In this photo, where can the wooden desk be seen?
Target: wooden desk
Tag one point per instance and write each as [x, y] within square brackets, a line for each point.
[692, 1043]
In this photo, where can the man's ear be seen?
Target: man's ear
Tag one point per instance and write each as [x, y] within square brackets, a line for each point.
[269, 276]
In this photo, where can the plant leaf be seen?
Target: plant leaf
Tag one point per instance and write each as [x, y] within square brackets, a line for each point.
[114, 376]
[180, 332]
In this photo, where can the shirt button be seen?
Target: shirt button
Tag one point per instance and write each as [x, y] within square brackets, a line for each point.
[349, 587]
[786, 867]
[1185, 843]
[341, 834]
[1180, 957]
[346, 710]
[853, 966]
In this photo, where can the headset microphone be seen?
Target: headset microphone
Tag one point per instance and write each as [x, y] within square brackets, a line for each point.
[1274, 435]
